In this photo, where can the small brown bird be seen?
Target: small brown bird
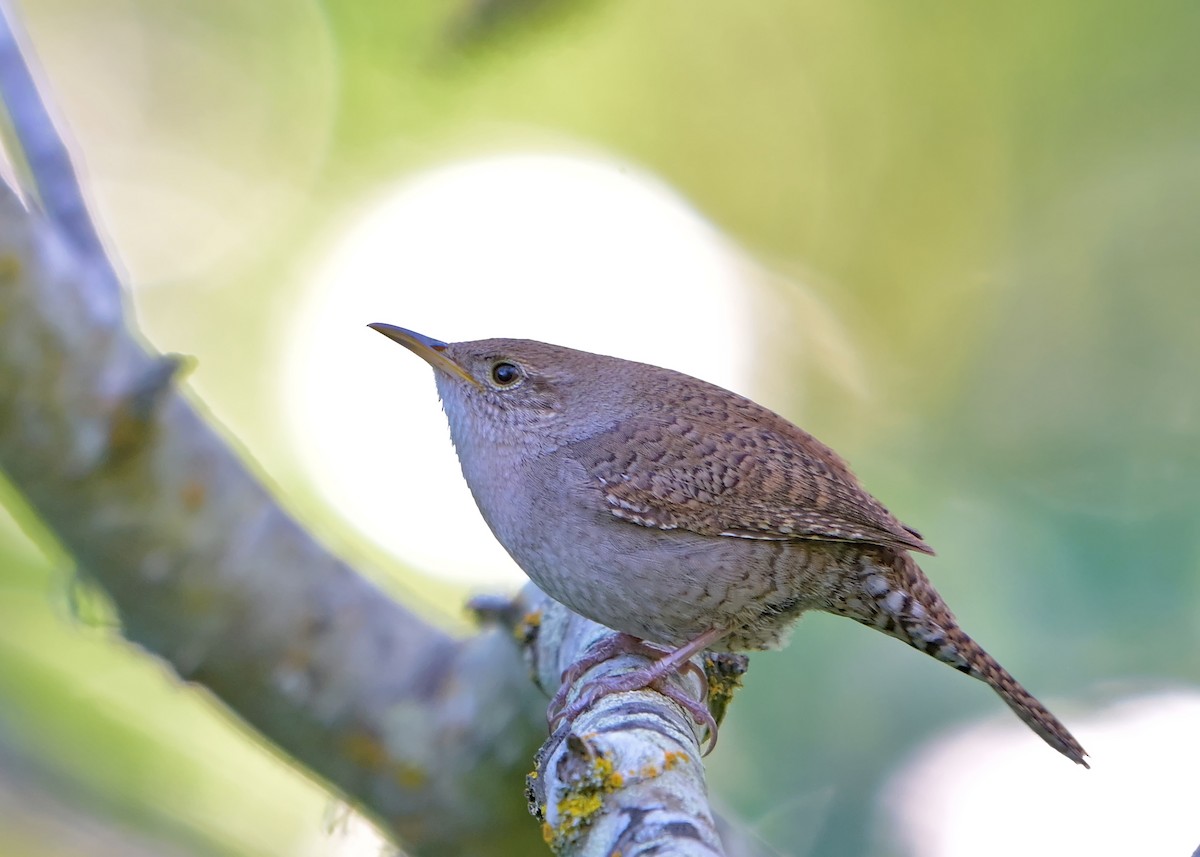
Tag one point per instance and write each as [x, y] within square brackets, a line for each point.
[684, 515]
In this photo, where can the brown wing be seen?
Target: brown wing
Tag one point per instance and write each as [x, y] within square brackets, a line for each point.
[748, 475]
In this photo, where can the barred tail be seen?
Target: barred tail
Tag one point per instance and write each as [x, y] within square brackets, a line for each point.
[895, 597]
[984, 667]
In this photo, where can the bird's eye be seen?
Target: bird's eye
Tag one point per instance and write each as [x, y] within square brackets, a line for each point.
[505, 374]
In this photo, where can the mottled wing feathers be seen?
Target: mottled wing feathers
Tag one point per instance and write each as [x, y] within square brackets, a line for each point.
[740, 471]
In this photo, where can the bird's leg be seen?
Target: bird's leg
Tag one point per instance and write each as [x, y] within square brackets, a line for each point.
[698, 708]
[652, 675]
[607, 647]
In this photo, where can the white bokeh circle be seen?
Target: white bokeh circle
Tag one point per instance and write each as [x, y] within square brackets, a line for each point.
[994, 789]
[573, 250]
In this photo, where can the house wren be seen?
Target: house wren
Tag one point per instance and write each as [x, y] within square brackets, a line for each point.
[684, 515]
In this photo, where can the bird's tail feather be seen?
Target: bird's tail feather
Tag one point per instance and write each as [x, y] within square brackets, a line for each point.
[899, 600]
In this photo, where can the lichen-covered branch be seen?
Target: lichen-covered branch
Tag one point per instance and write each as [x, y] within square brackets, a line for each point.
[626, 777]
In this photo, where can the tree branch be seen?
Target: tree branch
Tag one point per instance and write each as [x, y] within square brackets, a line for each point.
[426, 733]
[49, 161]
[626, 777]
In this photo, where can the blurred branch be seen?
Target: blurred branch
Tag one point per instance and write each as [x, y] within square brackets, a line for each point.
[426, 733]
[206, 571]
[35, 817]
[46, 154]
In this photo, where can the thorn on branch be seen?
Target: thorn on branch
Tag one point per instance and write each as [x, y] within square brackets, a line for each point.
[511, 613]
[491, 609]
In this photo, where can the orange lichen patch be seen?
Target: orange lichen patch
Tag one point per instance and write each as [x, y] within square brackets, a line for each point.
[364, 749]
[193, 494]
[672, 758]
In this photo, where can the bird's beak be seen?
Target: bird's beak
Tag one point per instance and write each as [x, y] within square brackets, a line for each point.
[432, 351]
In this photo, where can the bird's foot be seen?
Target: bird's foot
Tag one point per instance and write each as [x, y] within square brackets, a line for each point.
[609, 647]
[664, 663]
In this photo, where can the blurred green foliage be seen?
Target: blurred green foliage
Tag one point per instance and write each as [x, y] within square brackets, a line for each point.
[999, 201]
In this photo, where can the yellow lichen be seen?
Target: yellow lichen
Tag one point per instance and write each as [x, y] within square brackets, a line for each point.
[603, 767]
[581, 800]
[10, 267]
[724, 673]
[579, 806]
[410, 776]
[526, 630]
[364, 749]
[368, 751]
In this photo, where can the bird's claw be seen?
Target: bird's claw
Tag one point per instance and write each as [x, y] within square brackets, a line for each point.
[652, 676]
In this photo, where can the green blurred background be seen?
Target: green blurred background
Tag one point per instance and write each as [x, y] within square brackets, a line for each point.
[1000, 203]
